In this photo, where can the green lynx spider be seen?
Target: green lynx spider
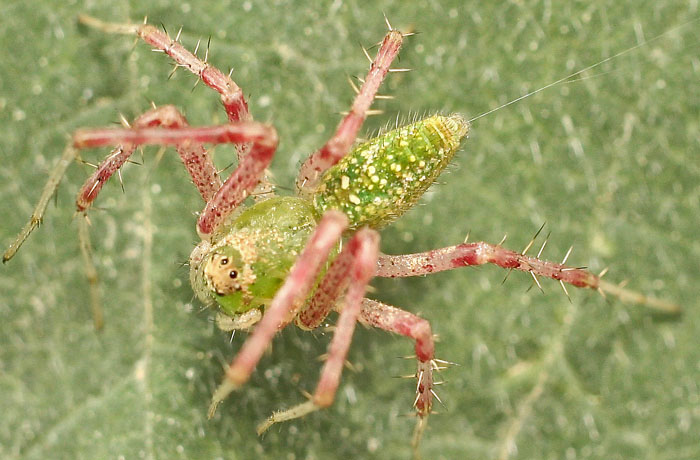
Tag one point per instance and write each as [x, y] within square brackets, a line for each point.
[267, 265]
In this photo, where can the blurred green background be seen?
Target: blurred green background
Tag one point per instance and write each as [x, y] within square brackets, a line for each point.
[609, 162]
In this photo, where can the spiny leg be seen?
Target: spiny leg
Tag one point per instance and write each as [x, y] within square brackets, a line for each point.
[334, 282]
[193, 155]
[395, 320]
[346, 133]
[90, 271]
[188, 141]
[362, 249]
[69, 155]
[470, 254]
[238, 186]
[231, 94]
[285, 303]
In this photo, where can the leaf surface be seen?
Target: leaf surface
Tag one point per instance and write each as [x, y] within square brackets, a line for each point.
[609, 162]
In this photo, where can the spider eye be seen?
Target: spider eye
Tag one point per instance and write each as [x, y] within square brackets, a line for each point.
[224, 261]
[233, 274]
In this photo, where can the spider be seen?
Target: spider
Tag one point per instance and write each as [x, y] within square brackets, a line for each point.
[295, 259]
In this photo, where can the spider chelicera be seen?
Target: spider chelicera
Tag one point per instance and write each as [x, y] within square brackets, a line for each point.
[295, 259]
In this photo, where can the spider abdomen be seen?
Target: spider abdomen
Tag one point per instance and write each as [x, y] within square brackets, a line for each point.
[384, 177]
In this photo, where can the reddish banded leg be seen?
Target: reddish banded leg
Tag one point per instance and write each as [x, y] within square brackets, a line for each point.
[285, 303]
[339, 145]
[231, 94]
[361, 251]
[193, 155]
[188, 140]
[334, 282]
[263, 140]
[469, 254]
[407, 324]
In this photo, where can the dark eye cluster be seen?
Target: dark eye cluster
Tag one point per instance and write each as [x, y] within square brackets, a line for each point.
[233, 274]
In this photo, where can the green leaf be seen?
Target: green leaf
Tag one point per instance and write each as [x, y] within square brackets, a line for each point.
[609, 162]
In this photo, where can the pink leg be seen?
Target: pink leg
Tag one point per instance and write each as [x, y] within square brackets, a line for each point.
[285, 303]
[334, 282]
[362, 250]
[364, 247]
[339, 145]
[231, 95]
[263, 139]
[407, 324]
[193, 155]
[469, 254]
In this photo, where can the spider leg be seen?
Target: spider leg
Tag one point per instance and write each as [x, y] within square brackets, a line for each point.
[470, 254]
[263, 140]
[193, 155]
[231, 94]
[285, 304]
[339, 145]
[334, 282]
[395, 320]
[361, 251]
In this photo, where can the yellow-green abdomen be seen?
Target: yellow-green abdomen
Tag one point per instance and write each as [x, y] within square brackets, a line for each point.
[384, 177]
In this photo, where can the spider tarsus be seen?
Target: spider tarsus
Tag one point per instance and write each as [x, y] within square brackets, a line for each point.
[634, 297]
[212, 409]
[90, 271]
[444, 362]
[108, 27]
[222, 391]
[418, 431]
[297, 411]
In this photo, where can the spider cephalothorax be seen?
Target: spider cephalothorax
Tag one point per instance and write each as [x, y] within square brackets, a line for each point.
[247, 262]
[295, 259]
